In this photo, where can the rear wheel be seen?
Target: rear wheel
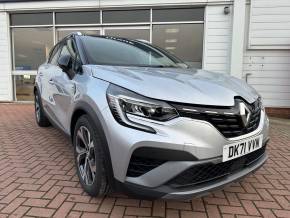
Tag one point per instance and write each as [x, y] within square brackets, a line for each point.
[89, 157]
[40, 116]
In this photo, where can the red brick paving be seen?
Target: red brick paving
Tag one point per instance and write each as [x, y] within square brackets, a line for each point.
[37, 178]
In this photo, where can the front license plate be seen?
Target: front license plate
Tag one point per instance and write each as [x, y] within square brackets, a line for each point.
[242, 148]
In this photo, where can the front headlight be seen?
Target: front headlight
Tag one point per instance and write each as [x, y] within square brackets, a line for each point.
[123, 102]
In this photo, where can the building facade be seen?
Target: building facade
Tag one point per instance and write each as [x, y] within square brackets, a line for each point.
[247, 39]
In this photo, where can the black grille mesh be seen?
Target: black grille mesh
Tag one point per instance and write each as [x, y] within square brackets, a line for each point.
[226, 119]
[141, 165]
[209, 171]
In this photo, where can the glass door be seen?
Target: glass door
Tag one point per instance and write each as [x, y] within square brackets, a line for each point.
[30, 47]
[140, 32]
[63, 32]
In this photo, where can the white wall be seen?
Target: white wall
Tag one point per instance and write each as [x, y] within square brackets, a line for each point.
[270, 71]
[5, 65]
[269, 24]
[269, 68]
[217, 39]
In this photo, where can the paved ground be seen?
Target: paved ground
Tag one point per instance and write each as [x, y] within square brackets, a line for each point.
[37, 178]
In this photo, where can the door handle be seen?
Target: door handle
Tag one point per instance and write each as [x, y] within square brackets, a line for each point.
[51, 82]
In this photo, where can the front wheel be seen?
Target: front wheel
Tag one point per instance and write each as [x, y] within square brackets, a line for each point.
[89, 157]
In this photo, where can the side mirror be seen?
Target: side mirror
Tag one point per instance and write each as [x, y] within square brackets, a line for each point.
[64, 62]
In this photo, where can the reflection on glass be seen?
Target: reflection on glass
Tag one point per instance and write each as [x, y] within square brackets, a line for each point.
[178, 14]
[121, 52]
[63, 33]
[24, 87]
[31, 19]
[77, 17]
[31, 47]
[183, 40]
[126, 16]
[129, 33]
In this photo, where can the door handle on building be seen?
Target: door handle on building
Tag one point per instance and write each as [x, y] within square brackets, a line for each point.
[246, 76]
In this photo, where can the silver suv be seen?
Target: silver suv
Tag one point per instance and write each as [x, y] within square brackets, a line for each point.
[141, 120]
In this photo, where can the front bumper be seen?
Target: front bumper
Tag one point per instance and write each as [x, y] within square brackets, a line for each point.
[192, 191]
[198, 138]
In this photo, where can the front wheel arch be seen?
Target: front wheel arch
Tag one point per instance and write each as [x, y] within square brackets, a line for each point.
[83, 108]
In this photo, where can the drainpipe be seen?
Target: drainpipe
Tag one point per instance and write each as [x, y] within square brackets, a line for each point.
[238, 34]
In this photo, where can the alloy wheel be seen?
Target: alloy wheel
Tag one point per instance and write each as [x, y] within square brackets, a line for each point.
[85, 154]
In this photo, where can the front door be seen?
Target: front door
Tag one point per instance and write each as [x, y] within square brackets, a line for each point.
[45, 75]
[64, 85]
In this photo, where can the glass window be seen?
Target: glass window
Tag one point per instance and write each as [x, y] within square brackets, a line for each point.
[126, 16]
[64, 51]
[54, 55]
[31, 47]
[69, 48]
[31, 19]
[24, 87]
[121, 52]
[77, 17]
[183, 40]
[72, 48]
[178, 14]
[129, 33]
[63, 33]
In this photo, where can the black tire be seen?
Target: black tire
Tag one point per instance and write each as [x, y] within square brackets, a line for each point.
[98, 185]
[40, 116]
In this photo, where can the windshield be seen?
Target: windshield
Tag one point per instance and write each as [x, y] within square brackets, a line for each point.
[122, 52]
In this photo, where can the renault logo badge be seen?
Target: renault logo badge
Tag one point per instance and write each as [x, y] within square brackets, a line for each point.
[245, 113]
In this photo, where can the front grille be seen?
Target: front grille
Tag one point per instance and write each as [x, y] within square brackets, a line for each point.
[141, 165]
[209, 171]
[227, 120]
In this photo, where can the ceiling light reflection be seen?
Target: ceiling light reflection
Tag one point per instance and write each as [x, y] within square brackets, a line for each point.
[172, 30]
[170, 48]
[170, 40]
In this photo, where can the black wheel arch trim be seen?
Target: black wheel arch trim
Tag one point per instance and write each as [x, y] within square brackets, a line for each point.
[36, 89]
